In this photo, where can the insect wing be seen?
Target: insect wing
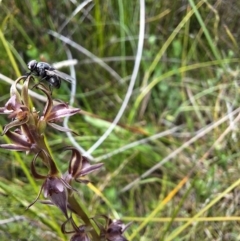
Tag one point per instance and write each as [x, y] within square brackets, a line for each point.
[60, 74]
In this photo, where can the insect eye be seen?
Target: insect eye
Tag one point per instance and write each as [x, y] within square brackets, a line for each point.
[32, 64]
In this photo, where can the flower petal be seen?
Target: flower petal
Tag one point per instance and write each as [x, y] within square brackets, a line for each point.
[36, 198]
[61, 128]
[90, 169]
[18, 138]
[33, 169]
[14, 147]
[79, 166]
[14, 123]
[56, 191]
[60, 111]
[49, 103]
[24, 94]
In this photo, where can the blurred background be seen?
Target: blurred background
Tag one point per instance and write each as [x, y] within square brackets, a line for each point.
[171, 164]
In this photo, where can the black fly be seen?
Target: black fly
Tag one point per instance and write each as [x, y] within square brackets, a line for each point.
[48, 73]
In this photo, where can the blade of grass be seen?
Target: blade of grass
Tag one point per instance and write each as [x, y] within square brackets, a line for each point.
[213, 47]
[160, 206]
[199, 134]
[184, 219]
[132, 81]
[9, 53]
[176, 211]
[177, 71]
[157, 59]
[17, 195]
[122, 34]
[23, 166]
[179, 230]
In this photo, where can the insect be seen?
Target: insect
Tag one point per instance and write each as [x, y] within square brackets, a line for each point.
[48, 73]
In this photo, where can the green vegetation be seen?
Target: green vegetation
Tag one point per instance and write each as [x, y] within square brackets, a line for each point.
[182, 184]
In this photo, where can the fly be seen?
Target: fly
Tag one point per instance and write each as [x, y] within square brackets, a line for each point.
[46, 72]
